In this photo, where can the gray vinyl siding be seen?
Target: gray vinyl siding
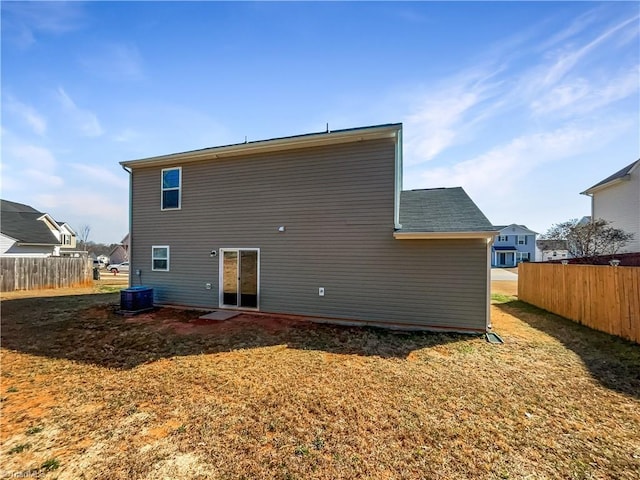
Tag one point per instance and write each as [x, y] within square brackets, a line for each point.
[337, 204]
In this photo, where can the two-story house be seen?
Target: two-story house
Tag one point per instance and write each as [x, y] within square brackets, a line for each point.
[514, 244]
[314, 225]
[617, 200]
[26, 232]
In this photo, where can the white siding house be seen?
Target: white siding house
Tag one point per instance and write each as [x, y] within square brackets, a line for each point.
[617, 200]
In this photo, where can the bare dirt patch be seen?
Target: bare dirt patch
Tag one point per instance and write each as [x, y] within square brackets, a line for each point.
[166, 395]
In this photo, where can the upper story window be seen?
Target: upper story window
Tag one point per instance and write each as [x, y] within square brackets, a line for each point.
[66, 239]
[160, 258]
[171, 188]
[522, 239]
[503, 238]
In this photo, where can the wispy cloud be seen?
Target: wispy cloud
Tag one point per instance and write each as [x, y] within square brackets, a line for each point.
[443, 117]
[560, 83]
[115, 62]
[103, 176]
[27, 114]
[580, 96]
[567, 60]
[24, 22]
[30, 165]
[505, 164]
[85, 120]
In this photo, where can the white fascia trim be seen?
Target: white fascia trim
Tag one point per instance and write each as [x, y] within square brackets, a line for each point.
[443, 235]
[611, 183]
[263, 146]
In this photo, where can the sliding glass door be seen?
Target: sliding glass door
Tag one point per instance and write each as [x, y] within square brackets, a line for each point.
[239, 277]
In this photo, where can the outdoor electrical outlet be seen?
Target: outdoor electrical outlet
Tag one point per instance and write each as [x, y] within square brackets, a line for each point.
[321, 291]
[207, 286]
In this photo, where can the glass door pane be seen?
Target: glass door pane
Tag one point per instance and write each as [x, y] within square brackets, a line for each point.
[248, 279]
[230, 278]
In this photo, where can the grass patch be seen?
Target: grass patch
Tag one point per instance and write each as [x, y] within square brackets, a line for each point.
[21, 447]
[34, 430]
[165, 395]
[110, 288]
[498, 298]
[50, 465]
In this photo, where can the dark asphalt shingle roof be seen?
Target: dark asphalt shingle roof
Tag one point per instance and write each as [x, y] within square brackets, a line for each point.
[619, 174]
[441, 210]
[21, 222]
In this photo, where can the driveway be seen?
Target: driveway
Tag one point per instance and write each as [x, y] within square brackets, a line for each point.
[504, 275]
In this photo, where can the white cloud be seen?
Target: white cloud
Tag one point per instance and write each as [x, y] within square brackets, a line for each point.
[506, 164]
[580, 96]
[115, 62]
[85, 120]
[31, 165]
[24, 22]
[569, 59]
[27, 114]
[102, 176]
[106, 215]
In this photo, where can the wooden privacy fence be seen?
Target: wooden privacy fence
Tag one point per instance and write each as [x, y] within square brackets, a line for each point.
[23, 273]
[604, 298]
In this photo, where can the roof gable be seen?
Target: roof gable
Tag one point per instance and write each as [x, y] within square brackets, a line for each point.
[514, 228]
[441, 210]
[619, 175]
[24, 224]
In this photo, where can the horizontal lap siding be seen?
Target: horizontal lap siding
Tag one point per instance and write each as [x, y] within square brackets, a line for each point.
[337, 206]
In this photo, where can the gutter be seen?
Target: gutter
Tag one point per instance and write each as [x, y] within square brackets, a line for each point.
[488, 236]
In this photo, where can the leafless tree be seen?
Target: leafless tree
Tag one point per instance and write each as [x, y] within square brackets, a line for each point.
[83, 236]
[589, 239]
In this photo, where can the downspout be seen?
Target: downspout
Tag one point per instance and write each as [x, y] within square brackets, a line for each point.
[130, 172]
[488, 314]
[398, 180]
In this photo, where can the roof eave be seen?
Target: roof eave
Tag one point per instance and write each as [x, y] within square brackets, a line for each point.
[443, 235]
[264, 146]
[610, 183]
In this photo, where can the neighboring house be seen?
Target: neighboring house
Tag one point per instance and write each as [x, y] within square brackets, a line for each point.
[514, 244]
[313, 225]
[548, 250]
[617, 200]
[26, 232]
[120, 253]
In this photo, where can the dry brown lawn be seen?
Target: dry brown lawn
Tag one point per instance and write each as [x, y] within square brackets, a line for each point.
[89, 394]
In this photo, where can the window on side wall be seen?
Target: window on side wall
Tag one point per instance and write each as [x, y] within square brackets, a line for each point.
[171, 188]
[160, 258]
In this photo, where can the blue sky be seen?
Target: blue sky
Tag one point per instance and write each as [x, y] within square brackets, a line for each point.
[524, 105]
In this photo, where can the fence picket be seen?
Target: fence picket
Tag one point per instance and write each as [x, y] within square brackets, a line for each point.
[601, 297]
[24, 273]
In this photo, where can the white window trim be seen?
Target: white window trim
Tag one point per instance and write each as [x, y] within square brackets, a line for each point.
[503, 238]
[179, 188]
[154, 258]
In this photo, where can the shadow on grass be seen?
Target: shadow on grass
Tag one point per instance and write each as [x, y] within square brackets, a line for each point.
[613, 361]
[85, 328]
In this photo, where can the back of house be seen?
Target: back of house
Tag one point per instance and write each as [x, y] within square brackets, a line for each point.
[313, 225]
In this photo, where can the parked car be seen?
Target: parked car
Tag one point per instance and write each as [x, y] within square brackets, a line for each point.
[119, 267]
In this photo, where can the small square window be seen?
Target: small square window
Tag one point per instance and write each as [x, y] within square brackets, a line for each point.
[171, 188]
[160, 258]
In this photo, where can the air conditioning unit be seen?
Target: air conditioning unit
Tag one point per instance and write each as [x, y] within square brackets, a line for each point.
[136, 299]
